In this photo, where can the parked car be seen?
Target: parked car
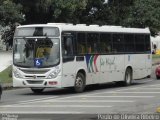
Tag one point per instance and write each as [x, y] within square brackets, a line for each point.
[0, 91]
[157, 71]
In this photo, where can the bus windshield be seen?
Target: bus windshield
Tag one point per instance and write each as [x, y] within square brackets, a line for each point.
[36, 52]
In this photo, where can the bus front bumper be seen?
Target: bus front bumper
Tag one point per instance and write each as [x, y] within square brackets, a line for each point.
[20, 82]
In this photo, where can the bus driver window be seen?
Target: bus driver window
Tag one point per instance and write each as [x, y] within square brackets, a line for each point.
[68, 47]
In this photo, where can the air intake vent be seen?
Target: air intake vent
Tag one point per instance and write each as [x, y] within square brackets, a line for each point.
[34, 82]
[36, 71]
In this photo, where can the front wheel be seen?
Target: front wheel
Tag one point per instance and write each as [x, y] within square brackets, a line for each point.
[79, 85]
[128, 77]
[37, 90]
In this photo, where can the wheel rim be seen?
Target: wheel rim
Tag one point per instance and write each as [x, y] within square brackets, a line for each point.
[79, 82]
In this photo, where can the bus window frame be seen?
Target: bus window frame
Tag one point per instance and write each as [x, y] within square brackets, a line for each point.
[68, 58]
[111, 38]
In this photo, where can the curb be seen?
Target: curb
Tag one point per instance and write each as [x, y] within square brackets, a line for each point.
[7, 86]
[153, 64]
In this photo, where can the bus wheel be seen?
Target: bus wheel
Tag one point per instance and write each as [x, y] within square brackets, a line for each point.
[157, 77]
[79, 85]
[128, 77]
[149, 76]
[37, 90]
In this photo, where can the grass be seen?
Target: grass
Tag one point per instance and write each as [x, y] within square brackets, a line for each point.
[5, 76]
[155, 56]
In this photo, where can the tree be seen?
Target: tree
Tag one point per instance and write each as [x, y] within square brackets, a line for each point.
[36, 11]
[44, 11]
[120, 10]
[129, 13]
[145, 13]
[112, 12]
[89, 14]
[68, 11]
[10, 13]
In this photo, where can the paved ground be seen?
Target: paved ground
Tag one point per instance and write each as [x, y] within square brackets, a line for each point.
[143, 97]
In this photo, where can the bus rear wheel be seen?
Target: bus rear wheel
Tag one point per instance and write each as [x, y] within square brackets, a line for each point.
[37, 90]
[157, 77]
[127, 78]
[79, 85]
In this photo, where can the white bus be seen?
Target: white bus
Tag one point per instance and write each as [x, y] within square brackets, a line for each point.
[66, 55]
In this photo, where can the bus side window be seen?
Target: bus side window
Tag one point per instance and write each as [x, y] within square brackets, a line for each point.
[81, 43]
[68, 45]
[92, 41]
[81, 49]
[118, 42]
[105, 43]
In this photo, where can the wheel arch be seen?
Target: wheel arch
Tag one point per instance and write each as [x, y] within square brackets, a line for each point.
[129, 67]
[82, 71]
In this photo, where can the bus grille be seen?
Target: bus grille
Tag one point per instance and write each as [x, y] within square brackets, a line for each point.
[33, 77]
[27, 71]
[34, 82]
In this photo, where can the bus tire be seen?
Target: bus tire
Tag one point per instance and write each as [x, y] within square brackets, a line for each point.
[79, 85]
[37, 90]
[128, 77]
[149, 76]
[157, 77]
[0, 91]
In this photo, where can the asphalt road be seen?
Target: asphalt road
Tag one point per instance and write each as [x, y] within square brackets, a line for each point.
[143, 97]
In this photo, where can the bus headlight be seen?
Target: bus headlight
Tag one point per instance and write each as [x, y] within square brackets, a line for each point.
[17, 74]
[54, 73]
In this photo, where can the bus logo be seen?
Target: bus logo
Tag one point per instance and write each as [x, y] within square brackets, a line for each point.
[34, 77]
[91, 63]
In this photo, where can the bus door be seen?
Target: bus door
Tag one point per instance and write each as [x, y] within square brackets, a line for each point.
[148, 55]
[68, 66]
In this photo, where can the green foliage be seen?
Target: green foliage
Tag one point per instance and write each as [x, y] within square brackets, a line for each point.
[145, 13]
[43, 11]
[90, 13]
[36, 11]
[10, 12]
[131, 13]
[119, 10]
[7, 36]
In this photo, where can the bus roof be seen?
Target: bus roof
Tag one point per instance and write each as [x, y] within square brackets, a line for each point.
[91, 28]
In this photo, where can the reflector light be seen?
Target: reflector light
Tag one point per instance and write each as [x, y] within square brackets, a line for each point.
[52, 82]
